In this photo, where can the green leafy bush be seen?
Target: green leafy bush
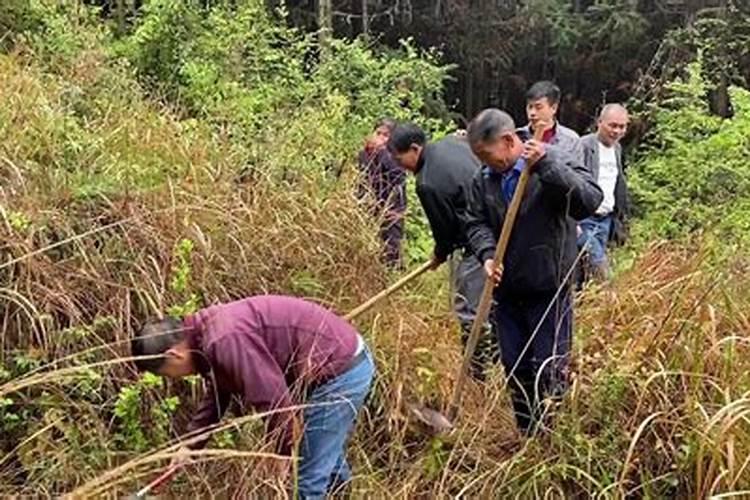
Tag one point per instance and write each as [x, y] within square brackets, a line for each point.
[252, 77]
[697, 176]
[55, 31]
[139, 429]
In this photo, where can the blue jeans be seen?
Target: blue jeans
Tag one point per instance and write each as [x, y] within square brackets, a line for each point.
[329, 417]
[595, 230]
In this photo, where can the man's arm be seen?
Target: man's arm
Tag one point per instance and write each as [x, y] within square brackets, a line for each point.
[253, 371]
[440, 214]
[479, 232]
[577, 151]
[565, 177]
[396, 181]
[626, 201]
[210, 410]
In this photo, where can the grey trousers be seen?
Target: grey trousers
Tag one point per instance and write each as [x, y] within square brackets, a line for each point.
[468, 277]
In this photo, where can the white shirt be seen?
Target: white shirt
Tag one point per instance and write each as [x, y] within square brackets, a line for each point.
[607, 178]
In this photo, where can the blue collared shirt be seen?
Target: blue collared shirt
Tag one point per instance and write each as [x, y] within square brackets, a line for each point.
[510, 178]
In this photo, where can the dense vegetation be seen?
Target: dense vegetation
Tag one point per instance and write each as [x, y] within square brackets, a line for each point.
[598, 50]
[206, 153]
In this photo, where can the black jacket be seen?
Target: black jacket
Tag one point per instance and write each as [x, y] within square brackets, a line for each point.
[542, 246]
[444, 174]
[619, 230]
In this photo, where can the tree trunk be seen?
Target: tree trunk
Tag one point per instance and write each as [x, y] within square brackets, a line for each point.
[120, 17]
[469, 94]
[365, 20]
[325, 26]
[720, 104]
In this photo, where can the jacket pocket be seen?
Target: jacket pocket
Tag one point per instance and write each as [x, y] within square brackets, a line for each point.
[540, 269]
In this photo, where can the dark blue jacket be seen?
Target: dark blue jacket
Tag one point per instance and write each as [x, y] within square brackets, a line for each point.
[382, 178]
[542, 246]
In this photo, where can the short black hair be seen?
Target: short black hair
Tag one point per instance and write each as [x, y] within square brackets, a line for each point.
[388, 123]
[488, 125]
[404, 135]
[156, 338]
[544, 89]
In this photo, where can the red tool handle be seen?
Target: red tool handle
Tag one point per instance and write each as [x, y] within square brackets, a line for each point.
[163, 478]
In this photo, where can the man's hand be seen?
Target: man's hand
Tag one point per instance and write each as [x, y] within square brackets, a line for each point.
[542, 125]
[181, 457]
[493, 271]
[533, 151]
[435, 262]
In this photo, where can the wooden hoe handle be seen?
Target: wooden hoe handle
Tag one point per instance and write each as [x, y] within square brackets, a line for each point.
[366, 306]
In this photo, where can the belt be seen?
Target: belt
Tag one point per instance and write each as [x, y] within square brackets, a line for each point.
[357, 359]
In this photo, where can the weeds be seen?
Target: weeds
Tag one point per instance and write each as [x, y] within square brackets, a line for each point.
[117, 208]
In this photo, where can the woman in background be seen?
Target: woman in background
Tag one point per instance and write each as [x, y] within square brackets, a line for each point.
[383, 182]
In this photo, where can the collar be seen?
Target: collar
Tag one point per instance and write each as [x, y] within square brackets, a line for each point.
[549, 134]
[516, 169]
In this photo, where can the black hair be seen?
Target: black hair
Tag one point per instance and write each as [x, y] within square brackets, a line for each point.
[388, 123]
[156, 338]
[488, 125]
[544, 89]
[404, 135]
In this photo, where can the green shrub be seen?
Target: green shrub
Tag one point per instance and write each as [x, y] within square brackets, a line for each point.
[138, 429]
[697, 176]
[249, 75]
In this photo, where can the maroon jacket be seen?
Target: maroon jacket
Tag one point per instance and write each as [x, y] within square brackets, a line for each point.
[267, 350]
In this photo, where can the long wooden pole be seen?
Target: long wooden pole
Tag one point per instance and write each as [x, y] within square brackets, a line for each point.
[361, 309]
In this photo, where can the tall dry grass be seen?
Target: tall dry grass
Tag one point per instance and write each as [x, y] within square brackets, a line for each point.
[660, 400]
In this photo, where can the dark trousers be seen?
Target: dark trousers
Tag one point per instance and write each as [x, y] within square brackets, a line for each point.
[468, 277]
[535, 363]
[391, 233]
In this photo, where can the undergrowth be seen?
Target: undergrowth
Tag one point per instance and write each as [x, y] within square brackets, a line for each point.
[192, 162]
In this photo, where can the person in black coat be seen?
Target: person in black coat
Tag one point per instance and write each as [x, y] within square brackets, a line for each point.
[383, 183]
[533, 309]
[444, 170]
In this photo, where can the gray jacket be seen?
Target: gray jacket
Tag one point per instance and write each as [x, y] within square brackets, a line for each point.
[565, 139]
[621, 211]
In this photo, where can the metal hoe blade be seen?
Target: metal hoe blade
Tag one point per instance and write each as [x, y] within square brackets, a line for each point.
[435, 421]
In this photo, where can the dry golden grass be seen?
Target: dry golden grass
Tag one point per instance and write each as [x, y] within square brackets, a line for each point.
[661, 396]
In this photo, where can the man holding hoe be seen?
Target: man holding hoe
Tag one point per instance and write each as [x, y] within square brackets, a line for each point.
[275, 353]
[443, 171]
[533, 309]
